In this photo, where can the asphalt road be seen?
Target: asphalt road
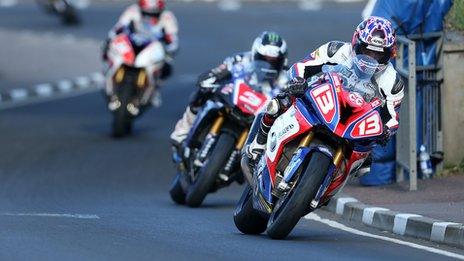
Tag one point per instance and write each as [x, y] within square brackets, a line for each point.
[70, 192]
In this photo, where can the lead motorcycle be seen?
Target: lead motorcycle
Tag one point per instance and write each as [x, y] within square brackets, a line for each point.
[209, 158]
[135, 61]
[312, 149]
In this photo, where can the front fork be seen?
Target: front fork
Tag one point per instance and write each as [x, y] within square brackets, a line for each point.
[211, 138]
[142, 91]
[337, 160]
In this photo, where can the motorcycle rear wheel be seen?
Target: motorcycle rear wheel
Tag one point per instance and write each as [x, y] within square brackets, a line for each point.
[290, 208]
[208, 174]
[247, 219]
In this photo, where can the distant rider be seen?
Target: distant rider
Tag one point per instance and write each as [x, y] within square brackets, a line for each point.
[150, 17]
[268, 47]
[373, 37]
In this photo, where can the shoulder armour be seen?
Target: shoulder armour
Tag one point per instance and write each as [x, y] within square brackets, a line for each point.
[333, 48]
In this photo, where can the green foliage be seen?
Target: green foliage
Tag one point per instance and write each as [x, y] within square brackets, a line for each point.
[455, 18]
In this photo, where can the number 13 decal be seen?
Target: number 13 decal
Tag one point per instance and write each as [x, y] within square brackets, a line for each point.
[369, 126]
[325, 100]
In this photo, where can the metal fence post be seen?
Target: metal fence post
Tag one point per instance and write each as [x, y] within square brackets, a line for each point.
[412, 116]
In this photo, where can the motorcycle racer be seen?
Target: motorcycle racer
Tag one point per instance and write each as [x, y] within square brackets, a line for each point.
[373, 37]
[152, 18]
[268, 47]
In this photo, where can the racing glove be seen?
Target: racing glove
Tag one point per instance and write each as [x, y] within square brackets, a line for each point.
[213, 78]
[296, 87]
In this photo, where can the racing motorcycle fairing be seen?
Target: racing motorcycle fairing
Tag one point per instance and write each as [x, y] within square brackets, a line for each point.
[333, 118]
[249, 101]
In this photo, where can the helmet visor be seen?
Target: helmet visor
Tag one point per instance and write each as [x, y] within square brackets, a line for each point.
[277, 63]
[380, 54]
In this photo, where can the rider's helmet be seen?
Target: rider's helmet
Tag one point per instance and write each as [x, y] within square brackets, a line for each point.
[271, 48]
[151, 7]
[375, 37]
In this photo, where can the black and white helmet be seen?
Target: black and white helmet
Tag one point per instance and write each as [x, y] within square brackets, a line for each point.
[271, 48]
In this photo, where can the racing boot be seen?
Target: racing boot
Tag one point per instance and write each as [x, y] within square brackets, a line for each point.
[183, 127]
[256, 148]
[365, 167]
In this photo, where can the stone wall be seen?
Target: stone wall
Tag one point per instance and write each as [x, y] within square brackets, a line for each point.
[453, 101]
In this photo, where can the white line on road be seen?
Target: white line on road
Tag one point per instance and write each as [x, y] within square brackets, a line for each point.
[79, 216]
[334, 224]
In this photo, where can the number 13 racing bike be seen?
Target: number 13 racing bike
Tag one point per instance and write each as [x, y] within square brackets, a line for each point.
[209, 158]
[312, 149]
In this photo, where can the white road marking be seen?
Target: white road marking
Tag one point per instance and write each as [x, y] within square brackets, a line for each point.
[341, 204]
[400, 222]
[439, 230]
[79, 216]
[368, 214]
[334, 224]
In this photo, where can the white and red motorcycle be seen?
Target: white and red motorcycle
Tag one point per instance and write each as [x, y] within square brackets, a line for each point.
[135, 62]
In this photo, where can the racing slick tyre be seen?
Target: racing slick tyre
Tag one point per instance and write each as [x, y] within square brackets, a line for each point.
[247, 219]
[176, 191]
[290, 208]
[122, 120]
[208, 174]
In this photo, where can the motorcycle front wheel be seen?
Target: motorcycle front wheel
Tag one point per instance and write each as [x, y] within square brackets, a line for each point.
[247, 219]
[176, 191]
[290, 208]
[208, 174]
[122, 120]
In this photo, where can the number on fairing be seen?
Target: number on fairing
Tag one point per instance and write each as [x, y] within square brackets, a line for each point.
[250, 98]
[324, 99]
[370, 126]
